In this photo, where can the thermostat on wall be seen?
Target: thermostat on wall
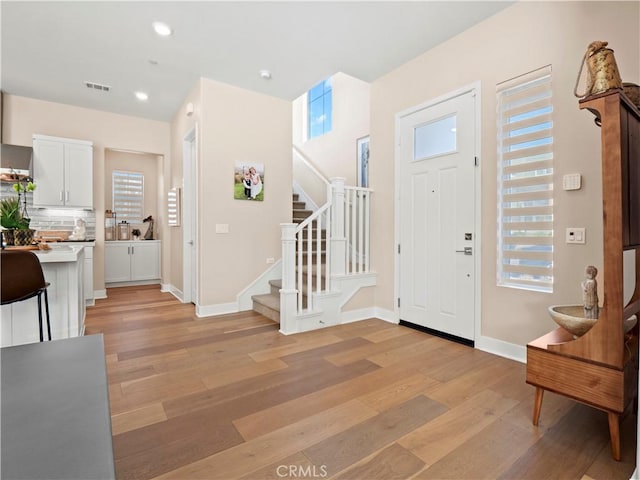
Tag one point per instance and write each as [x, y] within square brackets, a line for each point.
[571, 181]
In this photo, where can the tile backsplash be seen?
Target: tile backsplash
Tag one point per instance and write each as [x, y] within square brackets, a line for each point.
[47, 219]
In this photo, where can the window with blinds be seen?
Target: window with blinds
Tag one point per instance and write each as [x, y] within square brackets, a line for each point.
[128, 196]
[525, 182]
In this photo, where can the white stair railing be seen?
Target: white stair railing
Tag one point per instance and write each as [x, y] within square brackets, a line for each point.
[357, 209]
[333, 241]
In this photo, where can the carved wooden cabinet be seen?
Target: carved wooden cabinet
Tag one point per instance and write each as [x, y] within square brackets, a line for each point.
[600, 368]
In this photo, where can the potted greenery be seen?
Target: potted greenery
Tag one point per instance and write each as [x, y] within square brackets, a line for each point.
[14, 217]
[9, 218]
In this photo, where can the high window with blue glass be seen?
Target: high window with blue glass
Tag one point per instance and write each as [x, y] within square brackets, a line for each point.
[320, 109]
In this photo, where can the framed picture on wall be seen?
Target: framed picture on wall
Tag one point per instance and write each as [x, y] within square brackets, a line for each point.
[363, 161]
[248, 181]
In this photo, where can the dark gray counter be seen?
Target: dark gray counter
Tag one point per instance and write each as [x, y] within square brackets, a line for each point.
[55, 414]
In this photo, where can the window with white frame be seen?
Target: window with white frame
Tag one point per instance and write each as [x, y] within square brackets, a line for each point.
[525, 182]
[320, 109]
[128, 196]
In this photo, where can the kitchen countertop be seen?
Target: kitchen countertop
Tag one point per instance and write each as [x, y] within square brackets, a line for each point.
[59, 253]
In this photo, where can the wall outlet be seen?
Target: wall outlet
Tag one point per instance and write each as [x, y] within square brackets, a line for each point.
[576, 235]
[271, 260]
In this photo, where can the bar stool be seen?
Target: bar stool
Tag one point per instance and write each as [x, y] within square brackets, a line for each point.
[21, 279]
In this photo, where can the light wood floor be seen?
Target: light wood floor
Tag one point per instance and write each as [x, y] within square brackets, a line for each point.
[229, 397]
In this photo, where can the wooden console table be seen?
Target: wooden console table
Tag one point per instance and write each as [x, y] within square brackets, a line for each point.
[600, 368]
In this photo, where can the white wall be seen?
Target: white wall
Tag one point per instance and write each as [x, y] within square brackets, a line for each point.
[237, 125]
[521, 38]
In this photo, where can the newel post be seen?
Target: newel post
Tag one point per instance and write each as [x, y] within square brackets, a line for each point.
[288, 292]
[338, 241]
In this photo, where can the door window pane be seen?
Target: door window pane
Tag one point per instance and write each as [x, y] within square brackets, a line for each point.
[435, 138]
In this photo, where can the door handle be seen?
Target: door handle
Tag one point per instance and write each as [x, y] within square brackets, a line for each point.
[190, 242]
[466, 251]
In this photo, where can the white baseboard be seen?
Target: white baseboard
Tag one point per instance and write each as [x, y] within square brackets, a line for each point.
[365, 313]
[99, 294]
[132, 283]
[386, 315]
[502, 348]
[176, 292]
[217, 309]
[356, 315]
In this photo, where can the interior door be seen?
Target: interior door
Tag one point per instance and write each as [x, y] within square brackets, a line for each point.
[189, 217]
[437, 216]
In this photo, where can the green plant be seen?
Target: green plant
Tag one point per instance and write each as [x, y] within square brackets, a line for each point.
[14, 215]
[10, 216]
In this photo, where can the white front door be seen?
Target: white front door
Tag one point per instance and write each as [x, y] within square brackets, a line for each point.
[437, 168]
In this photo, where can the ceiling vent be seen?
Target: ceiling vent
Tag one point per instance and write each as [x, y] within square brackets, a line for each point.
[98, 86]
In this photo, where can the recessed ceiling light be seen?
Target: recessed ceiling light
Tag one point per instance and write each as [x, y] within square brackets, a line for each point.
[266, 74]
[162, 29]
[142, 96]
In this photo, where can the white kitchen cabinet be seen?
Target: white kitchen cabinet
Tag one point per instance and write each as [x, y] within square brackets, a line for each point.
[63, 268]
[88, 267]
[62, 172]
[134, 261]
[88, 274]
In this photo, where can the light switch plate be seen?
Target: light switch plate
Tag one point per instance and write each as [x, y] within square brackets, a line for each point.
[222, 228]
[571, 181]
[576, 235]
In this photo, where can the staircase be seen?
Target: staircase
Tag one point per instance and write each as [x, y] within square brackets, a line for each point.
[269, 304]
[325, 260]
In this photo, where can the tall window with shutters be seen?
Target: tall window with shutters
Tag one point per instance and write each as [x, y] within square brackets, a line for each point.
[525, 182]
[128, 196]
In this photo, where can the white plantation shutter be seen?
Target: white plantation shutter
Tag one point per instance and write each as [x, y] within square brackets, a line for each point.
[173, 207]
[128, 196]
[525, 182]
